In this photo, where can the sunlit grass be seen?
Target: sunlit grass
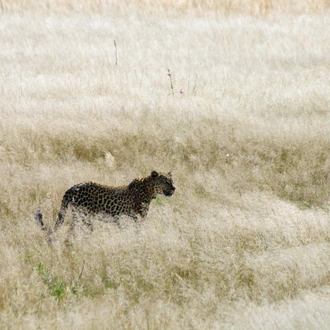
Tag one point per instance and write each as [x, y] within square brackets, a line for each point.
[244, 241]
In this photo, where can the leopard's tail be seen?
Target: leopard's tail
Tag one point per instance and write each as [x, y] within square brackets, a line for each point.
[40, 222]
[47, 230]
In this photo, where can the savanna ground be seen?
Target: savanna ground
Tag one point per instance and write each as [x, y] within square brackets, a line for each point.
[244, 243]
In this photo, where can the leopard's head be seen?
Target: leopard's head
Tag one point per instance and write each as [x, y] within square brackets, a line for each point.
[163, 184]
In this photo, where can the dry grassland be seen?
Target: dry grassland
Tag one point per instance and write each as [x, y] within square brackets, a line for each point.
[244, 243]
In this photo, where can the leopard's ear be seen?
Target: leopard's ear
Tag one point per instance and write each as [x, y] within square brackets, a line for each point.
[169, 174]
[154, 174]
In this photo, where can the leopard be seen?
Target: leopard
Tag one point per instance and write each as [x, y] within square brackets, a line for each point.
[89, 200]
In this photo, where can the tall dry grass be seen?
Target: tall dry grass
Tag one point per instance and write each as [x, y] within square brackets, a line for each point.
[243, 243]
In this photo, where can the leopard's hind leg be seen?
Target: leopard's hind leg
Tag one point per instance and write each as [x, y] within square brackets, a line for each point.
[61, 214]
[79, 216]
[87, 221]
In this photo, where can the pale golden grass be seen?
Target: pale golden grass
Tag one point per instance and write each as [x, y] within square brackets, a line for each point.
[244, 241]
[218, 7]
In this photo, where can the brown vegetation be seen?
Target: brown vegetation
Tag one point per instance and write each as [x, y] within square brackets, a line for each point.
[244, 242]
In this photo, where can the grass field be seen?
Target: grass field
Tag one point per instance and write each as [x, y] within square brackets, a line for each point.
[243, 123]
